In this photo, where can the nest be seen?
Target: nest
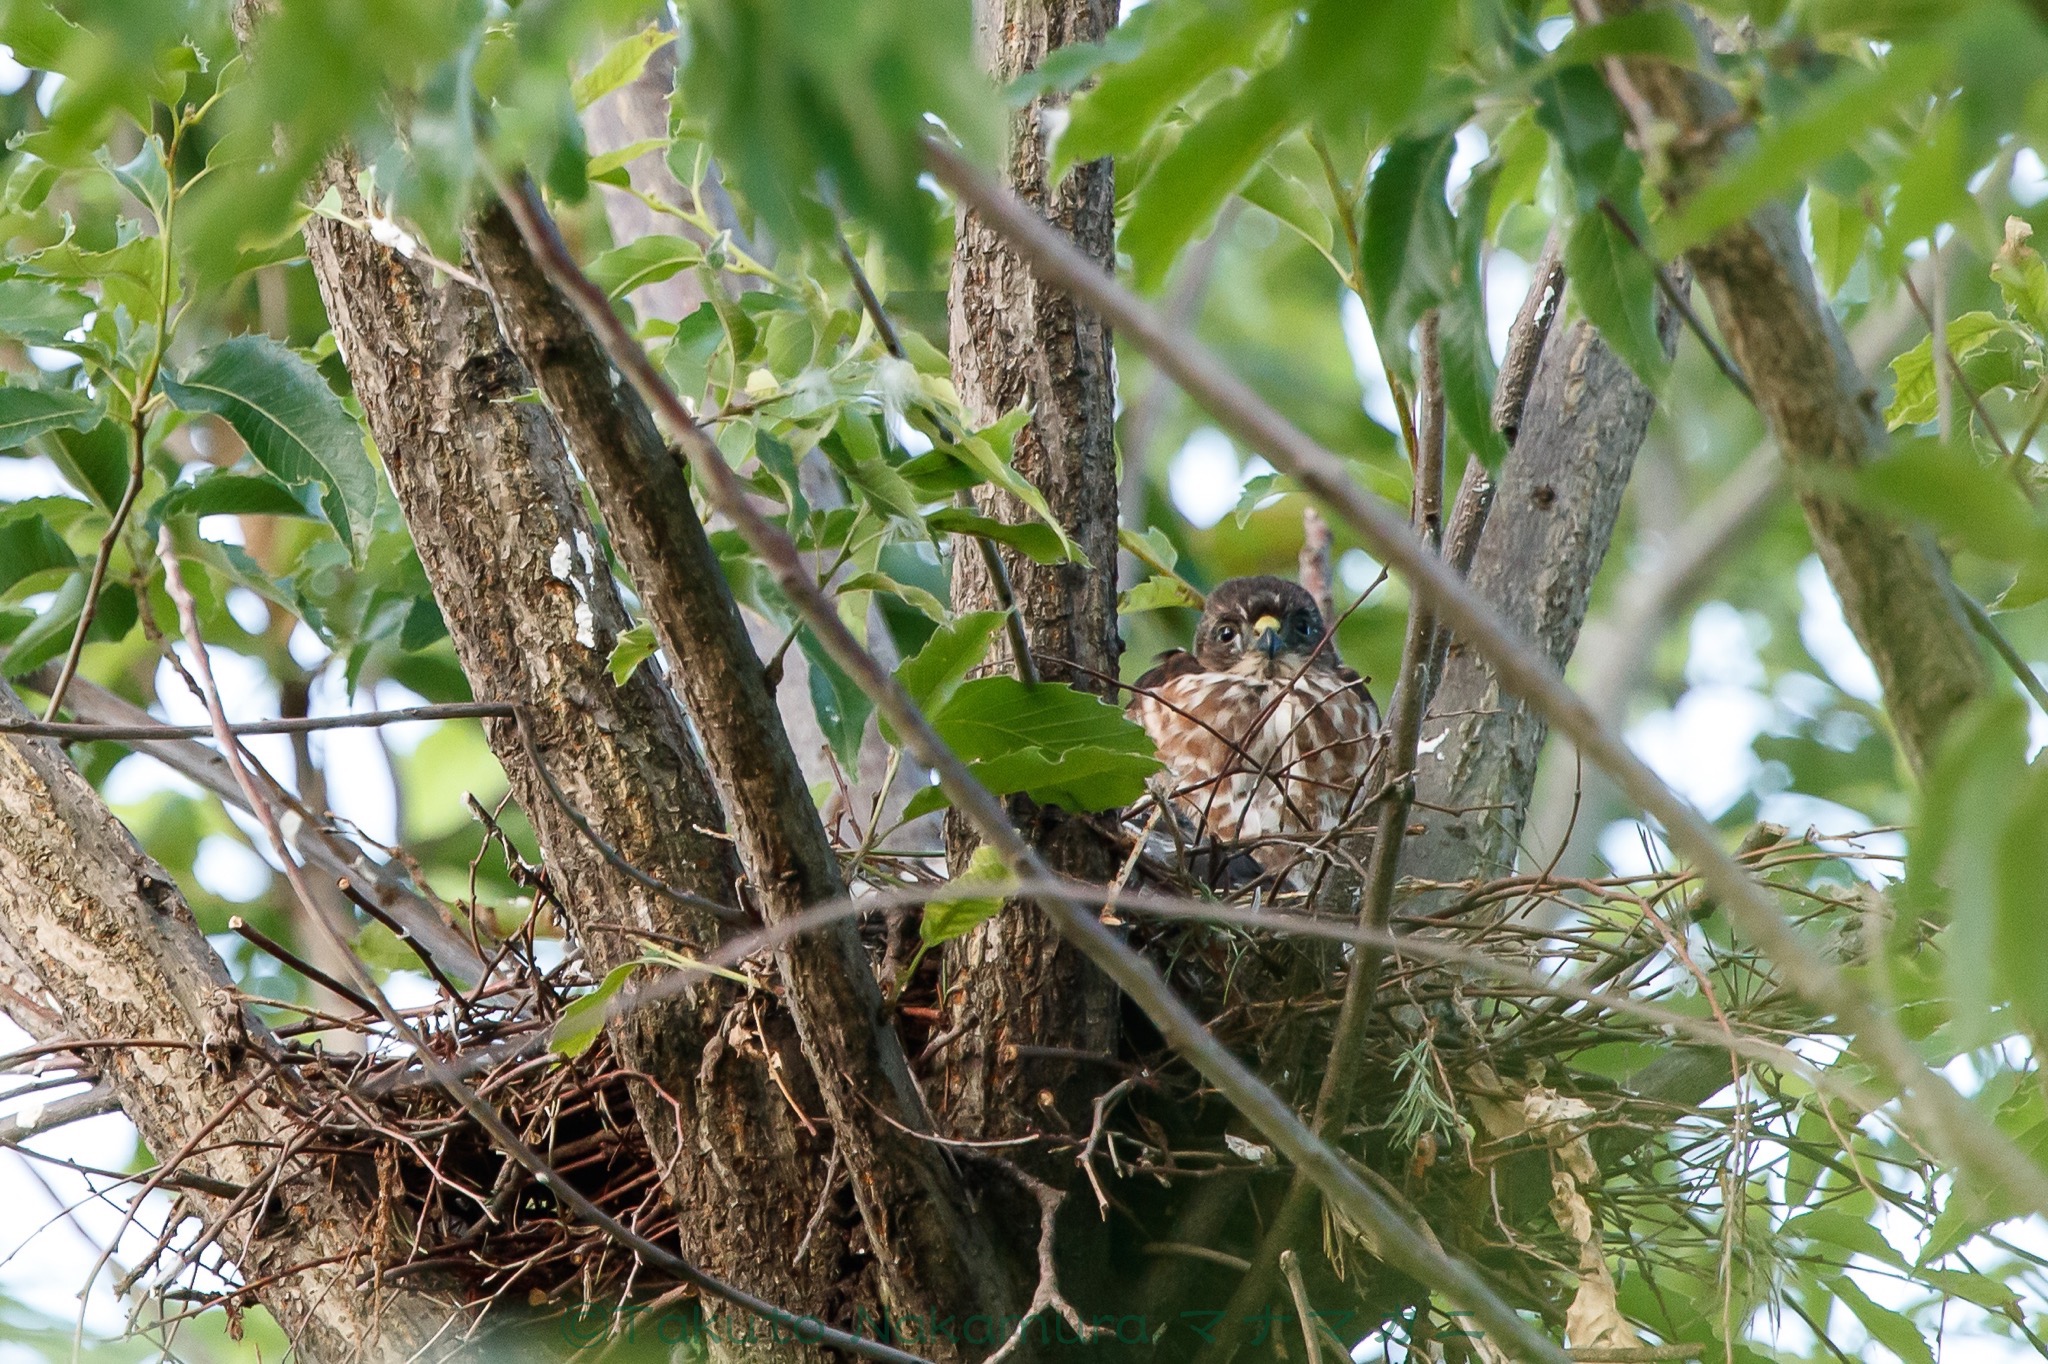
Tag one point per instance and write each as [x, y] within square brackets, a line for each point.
[1466, 1028]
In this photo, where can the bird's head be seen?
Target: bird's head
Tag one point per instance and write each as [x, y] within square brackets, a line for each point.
[1261, 627]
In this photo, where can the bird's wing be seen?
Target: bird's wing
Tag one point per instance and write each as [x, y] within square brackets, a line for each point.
[1169, 665]
[1353, 682]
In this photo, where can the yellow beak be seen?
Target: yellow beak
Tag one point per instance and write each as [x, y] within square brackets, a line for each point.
[1266, 631]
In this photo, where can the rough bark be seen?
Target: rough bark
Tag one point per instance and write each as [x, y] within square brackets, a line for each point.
[114, 945]
[1552, 519]
[1018, 342]
[495, 510]
[1894, 584]
[932, 1251]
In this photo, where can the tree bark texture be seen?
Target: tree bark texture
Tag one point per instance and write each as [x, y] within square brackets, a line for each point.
[495, 511]
[1893, 582]
[932, 1251]
[1017, 342]
[114, 946]
[1552, 519]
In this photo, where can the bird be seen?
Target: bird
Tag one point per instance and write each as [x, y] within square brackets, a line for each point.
[1265, 735]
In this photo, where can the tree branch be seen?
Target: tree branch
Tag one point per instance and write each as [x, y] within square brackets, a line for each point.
[932, 1252]
[1553, 518]
[1894, 586]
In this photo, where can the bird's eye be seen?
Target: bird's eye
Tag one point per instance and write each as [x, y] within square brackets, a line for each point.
[1226, 633]
[1308, 626]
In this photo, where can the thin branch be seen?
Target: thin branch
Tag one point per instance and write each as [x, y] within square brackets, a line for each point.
[1403, 1245]
[1680, 304]
[1934, 1110]
[306, 724]
[1290, 1266]
[2022, 670]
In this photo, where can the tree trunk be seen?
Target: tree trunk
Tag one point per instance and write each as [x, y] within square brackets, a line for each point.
[114, 945]
[1017, 342]
[1893, 582]
[1552, 520]
[933, 1253]
[495, 510]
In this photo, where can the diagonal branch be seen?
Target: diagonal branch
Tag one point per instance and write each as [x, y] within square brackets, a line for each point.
[934, 1254]
[1931, 1106]
[1894, 584]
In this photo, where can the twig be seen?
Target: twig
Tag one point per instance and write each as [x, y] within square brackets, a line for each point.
[2022, 671]
[1290, 1266]
[1314, 562]
[304, 724]
[1402, 1244]
[1932, 1106]
[1046, 1297]
[1526, 336]
[1680, 304]
[596, 840]
[240, 926]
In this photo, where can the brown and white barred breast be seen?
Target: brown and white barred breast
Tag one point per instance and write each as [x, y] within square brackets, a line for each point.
[1251, 758]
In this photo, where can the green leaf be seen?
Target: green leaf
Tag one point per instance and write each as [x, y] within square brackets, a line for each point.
[945, 920]
[1651, 33]
[293, 424]
[649, 260]
[1052, 743]
[94, 461]
[1349, 58]
[1890, 1329]
[634, 647]
[1617, 290]
[1038, 541]
[1953, 870]
[1958, 494]
[1408, 250]
[1916, 398]
[582, 1019]
[2021, 931]
[1462, 344]
[1578, 111]
[1154, 548]
[1184, 46]
[621, 64]
[609, 168]
[918, 599]
[841, 706]
[144, 175]
[2021, 277]
[1845, 1232]
[1839, 233]
[1288, 200]
[40, 313]
[225, 494]
[26, 413]
[988, 453]
[1190, 184]
[1157, 594]
[956, 648]
[49, 634]
[1830, 122]
[28, 546]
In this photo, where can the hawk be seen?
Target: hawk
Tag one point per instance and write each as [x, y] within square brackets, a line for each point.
[1265, 734]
